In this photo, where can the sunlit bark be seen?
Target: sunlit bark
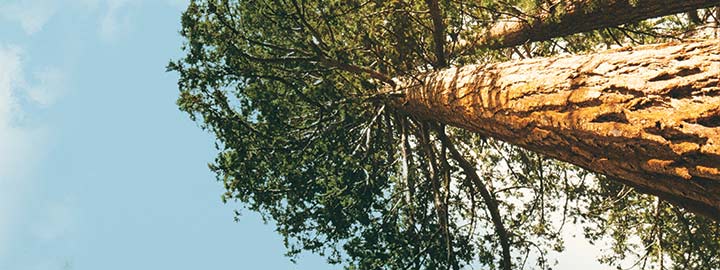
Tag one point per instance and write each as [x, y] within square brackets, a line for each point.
[648, 115]
[575, 16]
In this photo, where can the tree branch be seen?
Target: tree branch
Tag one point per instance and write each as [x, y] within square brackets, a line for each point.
[580, 16]
[357, 70]
[438, 33]
[320, 57]
[492, 205]
[435, 174]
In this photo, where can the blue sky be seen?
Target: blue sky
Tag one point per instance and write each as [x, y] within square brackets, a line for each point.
[98, 167]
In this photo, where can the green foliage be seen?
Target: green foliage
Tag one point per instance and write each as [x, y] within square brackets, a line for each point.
[291, 90]
[644, 232]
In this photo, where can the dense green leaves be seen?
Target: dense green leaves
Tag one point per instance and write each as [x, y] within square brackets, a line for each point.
[291, 90]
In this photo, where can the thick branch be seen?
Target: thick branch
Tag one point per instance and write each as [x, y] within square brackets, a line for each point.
[492, 205]
[438, 32]
[279, 60]
[357, 70]
[581, 16]
[434, 176]
[648, 115]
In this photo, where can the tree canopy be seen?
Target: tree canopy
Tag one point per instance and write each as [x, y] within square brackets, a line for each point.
[306, 137]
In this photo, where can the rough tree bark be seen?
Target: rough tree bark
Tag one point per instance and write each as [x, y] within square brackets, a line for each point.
[581, 16]
[648, 116]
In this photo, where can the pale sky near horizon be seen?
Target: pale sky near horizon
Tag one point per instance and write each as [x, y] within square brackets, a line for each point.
[98, 167]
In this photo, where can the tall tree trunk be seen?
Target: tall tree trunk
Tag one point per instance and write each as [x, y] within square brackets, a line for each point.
[578, 16]
[649, 115]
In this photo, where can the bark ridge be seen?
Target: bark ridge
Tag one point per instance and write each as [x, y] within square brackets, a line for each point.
[649, 115]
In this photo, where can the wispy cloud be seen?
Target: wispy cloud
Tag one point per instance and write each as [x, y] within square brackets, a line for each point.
[20, 144]
[14, 145]
[10, 72]
[32, 15]
[116, 20]
[49, 86]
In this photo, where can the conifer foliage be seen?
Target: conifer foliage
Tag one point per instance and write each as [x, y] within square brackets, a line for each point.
[308, 135]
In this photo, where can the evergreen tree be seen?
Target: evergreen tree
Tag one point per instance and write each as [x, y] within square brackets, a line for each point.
[310, 137]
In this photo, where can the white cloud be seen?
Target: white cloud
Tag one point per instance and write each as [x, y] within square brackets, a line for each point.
[21, 145]
[32, 15]
[49, 86]
[10, 73]
[14, 145]
[116, 20]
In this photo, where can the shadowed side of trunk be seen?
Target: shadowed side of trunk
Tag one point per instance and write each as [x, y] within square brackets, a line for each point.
[649, 115]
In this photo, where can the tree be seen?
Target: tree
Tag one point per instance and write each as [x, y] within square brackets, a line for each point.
[560, 18]
[647, 115]
[314, 134]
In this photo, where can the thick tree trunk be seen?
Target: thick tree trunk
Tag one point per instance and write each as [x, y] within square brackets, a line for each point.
[649, 115]
[584, 15]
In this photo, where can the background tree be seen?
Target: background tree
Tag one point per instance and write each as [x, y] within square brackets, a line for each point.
[292, 88]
